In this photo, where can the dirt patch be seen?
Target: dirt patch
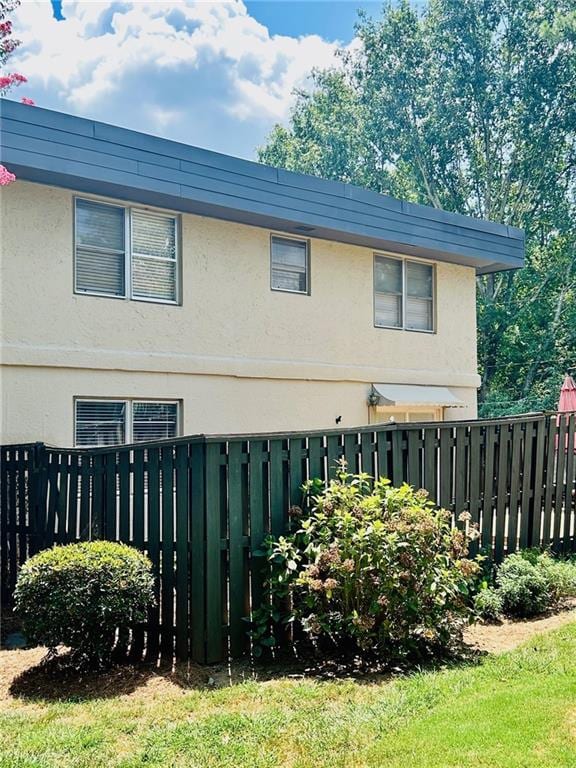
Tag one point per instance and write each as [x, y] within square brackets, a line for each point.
[497, 638]
[26, 675]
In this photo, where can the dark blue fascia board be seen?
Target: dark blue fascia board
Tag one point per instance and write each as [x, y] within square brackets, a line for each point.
[86, 156]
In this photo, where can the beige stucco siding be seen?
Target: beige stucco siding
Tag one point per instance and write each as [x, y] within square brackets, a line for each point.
[240, 356]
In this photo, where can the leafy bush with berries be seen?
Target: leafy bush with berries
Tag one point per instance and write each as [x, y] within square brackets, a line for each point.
[371, 569]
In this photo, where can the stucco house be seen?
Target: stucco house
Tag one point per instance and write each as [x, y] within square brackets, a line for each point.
[151, 288]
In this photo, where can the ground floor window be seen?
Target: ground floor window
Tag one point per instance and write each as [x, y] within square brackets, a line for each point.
[113, 422]
[383, 414]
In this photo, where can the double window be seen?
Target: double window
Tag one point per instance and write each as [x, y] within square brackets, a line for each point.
[403, 294]
[125, 252]
[290, 265]
[113, 422]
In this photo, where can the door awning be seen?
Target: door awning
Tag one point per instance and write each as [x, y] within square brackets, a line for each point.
[415, 394]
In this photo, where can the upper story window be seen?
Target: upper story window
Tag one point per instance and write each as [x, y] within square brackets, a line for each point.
[290, 265]
[125, 252]
[113, 422]
[403, 294]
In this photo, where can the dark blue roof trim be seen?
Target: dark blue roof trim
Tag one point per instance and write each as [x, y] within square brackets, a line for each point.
[54, 148]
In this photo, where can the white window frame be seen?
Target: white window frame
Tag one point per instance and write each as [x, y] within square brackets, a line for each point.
[129, 402]
[404, 296]
[129, 294]
[275, 236]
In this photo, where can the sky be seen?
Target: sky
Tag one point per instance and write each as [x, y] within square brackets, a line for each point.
[218, 75]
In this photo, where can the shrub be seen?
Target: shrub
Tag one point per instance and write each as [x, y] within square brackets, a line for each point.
[371, 569]
[488, 604]
[78, 595]
[559, 574]
[523, 587]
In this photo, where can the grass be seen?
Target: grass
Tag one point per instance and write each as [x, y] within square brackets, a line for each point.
[516, 710]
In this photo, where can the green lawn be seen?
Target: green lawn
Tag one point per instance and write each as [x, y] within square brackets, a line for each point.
[515, 710]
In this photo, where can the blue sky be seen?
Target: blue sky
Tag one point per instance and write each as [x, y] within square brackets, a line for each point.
[214, 74]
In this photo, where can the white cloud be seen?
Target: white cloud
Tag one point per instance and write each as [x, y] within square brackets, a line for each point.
[202, 72]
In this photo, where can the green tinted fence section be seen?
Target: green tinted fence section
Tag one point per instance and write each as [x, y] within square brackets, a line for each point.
[201, 506]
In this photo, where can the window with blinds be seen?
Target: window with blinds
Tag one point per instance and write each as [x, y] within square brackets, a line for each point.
[289, 265]
[403, 294]
[113, 422]
[125, 252]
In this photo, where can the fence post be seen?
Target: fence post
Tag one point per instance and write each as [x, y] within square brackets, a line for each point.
[36, 498]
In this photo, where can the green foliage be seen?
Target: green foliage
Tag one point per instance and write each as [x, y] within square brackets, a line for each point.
[467, 105]
[528, 582]
[79, 595]
[523, 587]
[559, 574]
[371, 569]
[488, 604]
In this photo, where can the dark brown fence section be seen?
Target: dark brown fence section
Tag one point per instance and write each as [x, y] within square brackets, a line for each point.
[200, 506]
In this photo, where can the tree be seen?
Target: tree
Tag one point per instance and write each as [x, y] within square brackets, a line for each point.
[469, 106]
[8, 80]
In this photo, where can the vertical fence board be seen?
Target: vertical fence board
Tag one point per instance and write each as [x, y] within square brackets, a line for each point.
[182, 564]
[501, 491]
[515, 459]
[445, 452]
[153, 519]
[549, 481]
[367, 453]
[297, 471]
[475, 479]
[276, 469]
[430, 480]
[538, 484]
[138, 536]
[167, 550]
[382, 463]
[559, 483]
[258, 516]
[236, 550]
[213, 585]
[527, 490]
[124, 512]
[198, 552]
[569, 496]
[110, 486]
[460, 474]
[414, 473]
[315, 458]
[488, 495]
[333, 454]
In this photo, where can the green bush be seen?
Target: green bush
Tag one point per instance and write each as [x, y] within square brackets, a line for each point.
[560, 575]
[523, 587]
[79, 595]
[488, 604]
[372, 569]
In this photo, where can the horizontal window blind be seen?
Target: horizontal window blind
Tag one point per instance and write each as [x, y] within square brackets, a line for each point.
[154, 421]
[403, 294]
[388, 310]
[106, 253]
[100, 423]
[388, 281]
[289, 265]
[154, 274]
[419, 290]
[419, 314]
[100, 248]
[113, 422]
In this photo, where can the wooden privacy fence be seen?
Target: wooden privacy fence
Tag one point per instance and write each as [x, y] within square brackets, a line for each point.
[200, 506]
